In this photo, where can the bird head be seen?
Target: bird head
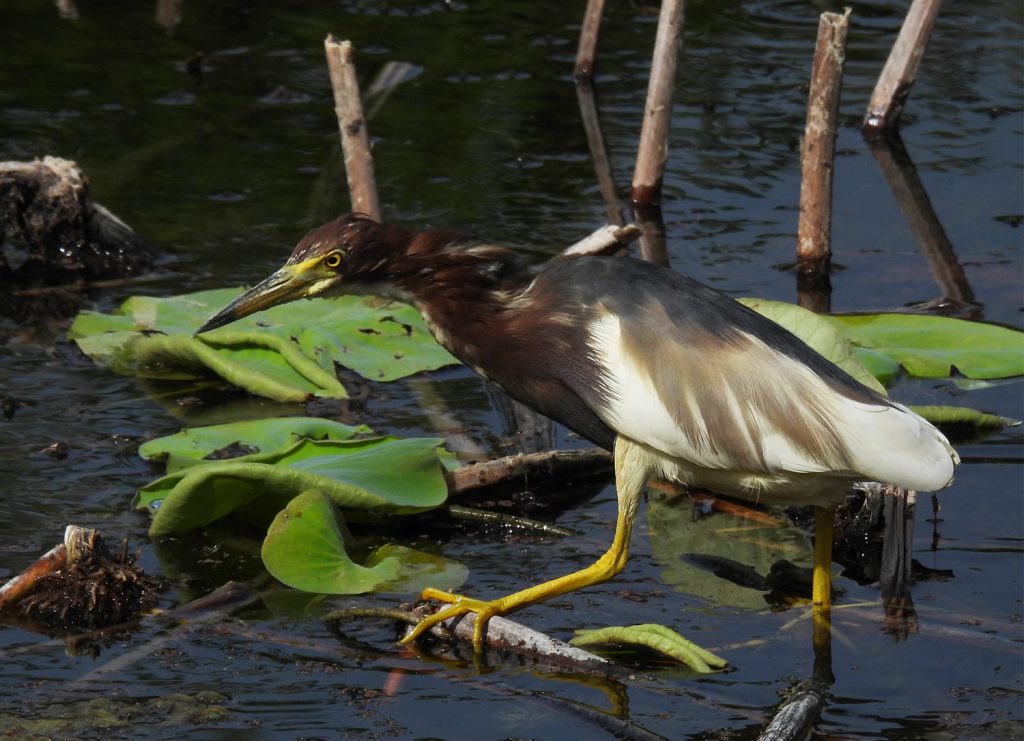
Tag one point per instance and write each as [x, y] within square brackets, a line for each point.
[347, 255]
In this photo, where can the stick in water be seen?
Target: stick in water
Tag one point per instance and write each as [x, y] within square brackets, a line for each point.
[355, 140]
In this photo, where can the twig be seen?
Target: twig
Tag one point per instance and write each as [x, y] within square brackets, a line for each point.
[653, 149]
[20, 585]
[901, 67]
[586, 51]
[814, 232]
[543, 465]
[355, 140]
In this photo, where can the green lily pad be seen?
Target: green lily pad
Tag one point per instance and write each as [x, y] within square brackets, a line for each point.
[656, 637]
[934, 347]
[286, 353]
[962, 416]
[383, 475]
[305, 548]
[190, 446]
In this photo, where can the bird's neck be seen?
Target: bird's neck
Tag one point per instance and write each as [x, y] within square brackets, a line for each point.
[466, 293]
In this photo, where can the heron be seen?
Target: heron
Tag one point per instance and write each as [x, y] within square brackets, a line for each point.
[679, 381]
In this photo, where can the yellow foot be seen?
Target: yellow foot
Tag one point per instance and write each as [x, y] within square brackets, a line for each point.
[458, 605]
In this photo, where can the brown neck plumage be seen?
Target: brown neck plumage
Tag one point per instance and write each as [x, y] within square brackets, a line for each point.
[461, 287]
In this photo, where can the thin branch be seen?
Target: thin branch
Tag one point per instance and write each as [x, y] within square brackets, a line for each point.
[20, 585]
[901, 67]
[355, 140]
[587, 50]
[653, 150]
[544, 465]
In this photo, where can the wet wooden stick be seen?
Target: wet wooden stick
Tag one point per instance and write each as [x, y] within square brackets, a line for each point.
[901, 67]
[587, 50]
[653, 150]
[814, 233]
[25, 582]
[355, 140]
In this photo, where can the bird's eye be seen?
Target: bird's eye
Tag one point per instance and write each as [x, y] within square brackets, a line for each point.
[333, 260]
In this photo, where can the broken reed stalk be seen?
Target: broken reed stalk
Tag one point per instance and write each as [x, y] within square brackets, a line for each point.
[587, 50]
[814, 231]
[545, 465]
[20, 585]
[653, 150]
[355, 140]
[901, 67]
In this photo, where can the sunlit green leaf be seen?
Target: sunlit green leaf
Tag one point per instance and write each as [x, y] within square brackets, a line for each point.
[933, 346]
[656, 637]
[393, 476]
[954, 416]
[305, 548]
[235, 439]
[285, 353]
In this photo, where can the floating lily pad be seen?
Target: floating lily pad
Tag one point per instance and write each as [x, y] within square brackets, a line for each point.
[382, 475]
[305, 548]
[964, 417]
[932, 346]
[286, 353]
[237, 439]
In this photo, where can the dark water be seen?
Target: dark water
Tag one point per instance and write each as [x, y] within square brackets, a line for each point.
[224, 174]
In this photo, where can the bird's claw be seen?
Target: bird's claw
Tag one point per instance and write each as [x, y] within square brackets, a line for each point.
[457, 605]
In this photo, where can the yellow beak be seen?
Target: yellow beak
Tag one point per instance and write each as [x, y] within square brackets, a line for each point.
[291, 282]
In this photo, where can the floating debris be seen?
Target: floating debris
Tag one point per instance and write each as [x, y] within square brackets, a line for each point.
[80, 586]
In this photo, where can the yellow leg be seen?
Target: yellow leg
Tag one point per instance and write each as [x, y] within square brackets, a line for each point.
[821, 591]
[631, 474]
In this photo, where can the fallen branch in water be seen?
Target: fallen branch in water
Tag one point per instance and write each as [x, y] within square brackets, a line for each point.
[550, 464]
[796, 717]
[502, 634]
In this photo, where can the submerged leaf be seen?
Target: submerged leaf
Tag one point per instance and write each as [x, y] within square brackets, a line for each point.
[305, 548]
[657, 637]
